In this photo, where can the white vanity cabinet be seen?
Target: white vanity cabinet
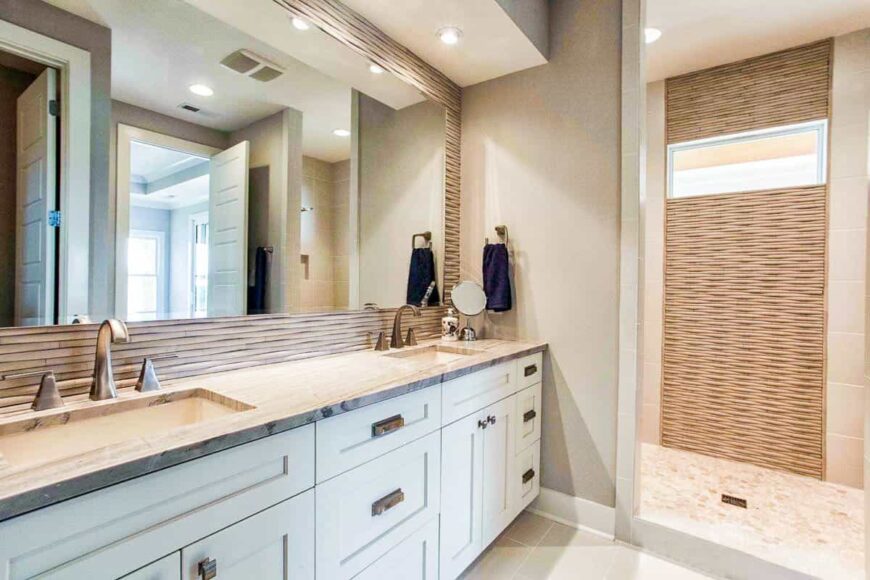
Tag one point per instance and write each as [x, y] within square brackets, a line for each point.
[490, 467]
[411, 488]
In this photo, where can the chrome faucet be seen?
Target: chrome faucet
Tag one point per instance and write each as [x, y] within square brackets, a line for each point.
[112, 331]
[396, 340]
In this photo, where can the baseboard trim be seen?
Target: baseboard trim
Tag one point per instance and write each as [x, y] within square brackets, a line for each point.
[575, 512]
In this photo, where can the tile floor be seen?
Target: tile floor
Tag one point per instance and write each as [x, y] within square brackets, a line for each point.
[799, 522]
[535, 548]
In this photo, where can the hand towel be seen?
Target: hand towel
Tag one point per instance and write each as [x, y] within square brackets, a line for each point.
[420, 275]
[496, 277]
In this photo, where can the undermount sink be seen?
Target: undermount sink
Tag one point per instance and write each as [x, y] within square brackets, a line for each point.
[434, 354]
[69, 433]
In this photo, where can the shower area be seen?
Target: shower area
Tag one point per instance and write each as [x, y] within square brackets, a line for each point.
[752, 425]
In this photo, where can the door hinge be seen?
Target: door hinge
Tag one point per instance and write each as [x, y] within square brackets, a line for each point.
[54, 108]
[54, 218]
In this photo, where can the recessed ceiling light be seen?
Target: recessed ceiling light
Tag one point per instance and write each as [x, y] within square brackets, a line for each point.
[341, 133]
[450, 35]
[650, 35]
[375, 69]
[300, 24]
[201, 90]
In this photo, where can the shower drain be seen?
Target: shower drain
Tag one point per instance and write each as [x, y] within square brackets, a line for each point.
[734, 500]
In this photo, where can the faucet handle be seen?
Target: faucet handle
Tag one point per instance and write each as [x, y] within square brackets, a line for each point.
[48, 396]
[148, 380]
[381, 344]
[411, 338]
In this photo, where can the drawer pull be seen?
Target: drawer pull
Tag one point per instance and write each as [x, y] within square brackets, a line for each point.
[207, 569]
[387, 502]
[529, 415]
[527, 476]
[530, 370]
[388, 425]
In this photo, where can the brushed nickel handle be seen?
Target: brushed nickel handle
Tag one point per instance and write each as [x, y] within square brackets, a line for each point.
[530, 370]
[529, 415]
[388, 425]
[207, 569]
[388, 502]
[527, 476]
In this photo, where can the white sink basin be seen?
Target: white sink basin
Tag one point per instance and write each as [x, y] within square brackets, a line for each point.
[68, 433]
[434, 354]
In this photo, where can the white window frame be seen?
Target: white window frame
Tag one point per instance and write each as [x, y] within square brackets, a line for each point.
[161, 267]
[201, 218]
[820, 127]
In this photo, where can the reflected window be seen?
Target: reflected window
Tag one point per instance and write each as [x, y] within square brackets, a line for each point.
[199, 288]
[144, 255]
[776, 158]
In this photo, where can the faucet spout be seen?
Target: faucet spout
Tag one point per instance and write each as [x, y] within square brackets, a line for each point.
[112, 331]
[396, 340]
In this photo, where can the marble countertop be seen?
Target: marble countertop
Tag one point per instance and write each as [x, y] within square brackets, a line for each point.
[284, 396]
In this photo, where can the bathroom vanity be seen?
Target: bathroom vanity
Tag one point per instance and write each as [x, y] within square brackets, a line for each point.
[404, 464]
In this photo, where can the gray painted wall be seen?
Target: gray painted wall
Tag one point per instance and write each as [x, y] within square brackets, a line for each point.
[540, 153]
[65, 27]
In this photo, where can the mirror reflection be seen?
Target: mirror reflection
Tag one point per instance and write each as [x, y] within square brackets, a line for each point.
[267, 174]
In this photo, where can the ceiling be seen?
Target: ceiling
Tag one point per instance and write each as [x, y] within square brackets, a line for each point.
[491, 46]
[698, 34]
[161, 47]
[150, 164]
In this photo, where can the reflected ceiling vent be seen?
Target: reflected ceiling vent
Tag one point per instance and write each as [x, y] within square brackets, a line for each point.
[189, 107]
[253, 65]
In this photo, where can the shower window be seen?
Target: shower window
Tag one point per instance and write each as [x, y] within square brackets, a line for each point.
[777, 158]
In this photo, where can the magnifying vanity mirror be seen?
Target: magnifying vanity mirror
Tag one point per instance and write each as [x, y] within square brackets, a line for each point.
[254, 170]
[470, 300]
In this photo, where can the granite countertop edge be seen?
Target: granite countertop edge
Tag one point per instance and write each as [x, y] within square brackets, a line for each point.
[41, 497]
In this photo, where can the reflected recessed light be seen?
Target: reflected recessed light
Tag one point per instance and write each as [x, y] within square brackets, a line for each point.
[201, 90]
[450, 35]
[300, 24]
[375, 69]
[341, 132]
[651, 34]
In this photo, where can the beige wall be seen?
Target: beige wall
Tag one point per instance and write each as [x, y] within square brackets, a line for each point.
[341, 238]
[269, 140]
[540, 153]
[401, 192]
[318, 228]
[846, 257]
[12, 84]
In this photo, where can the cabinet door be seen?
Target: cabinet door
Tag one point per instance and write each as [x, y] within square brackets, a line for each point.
[461, 494]
[168, 568]
[277, 543]
[498, 461]
[416, 558]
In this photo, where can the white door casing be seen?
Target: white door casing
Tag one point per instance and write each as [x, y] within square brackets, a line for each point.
[36, 168]
[228, 234]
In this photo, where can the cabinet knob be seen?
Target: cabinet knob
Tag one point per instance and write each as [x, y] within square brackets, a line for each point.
[482, 423]
[207, 569]
[491, 419]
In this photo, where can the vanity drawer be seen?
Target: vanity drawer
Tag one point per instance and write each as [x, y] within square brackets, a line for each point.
[527, 418]
[474, 391]
[365, 512]
[526, 478]
[529, 369]
[351, 439]
[416, 558]
[111, 532]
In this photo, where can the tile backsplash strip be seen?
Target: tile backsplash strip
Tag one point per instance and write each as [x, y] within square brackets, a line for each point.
[194, 347]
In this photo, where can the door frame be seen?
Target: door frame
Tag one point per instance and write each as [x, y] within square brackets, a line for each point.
[127, 134]
[74, 184]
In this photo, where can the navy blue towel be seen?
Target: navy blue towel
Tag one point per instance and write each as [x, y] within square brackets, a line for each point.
[257, 292]
[496, 277]
[420, 275]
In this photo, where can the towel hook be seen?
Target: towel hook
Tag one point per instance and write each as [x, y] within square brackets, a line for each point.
[502, 232]
[427, 236]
